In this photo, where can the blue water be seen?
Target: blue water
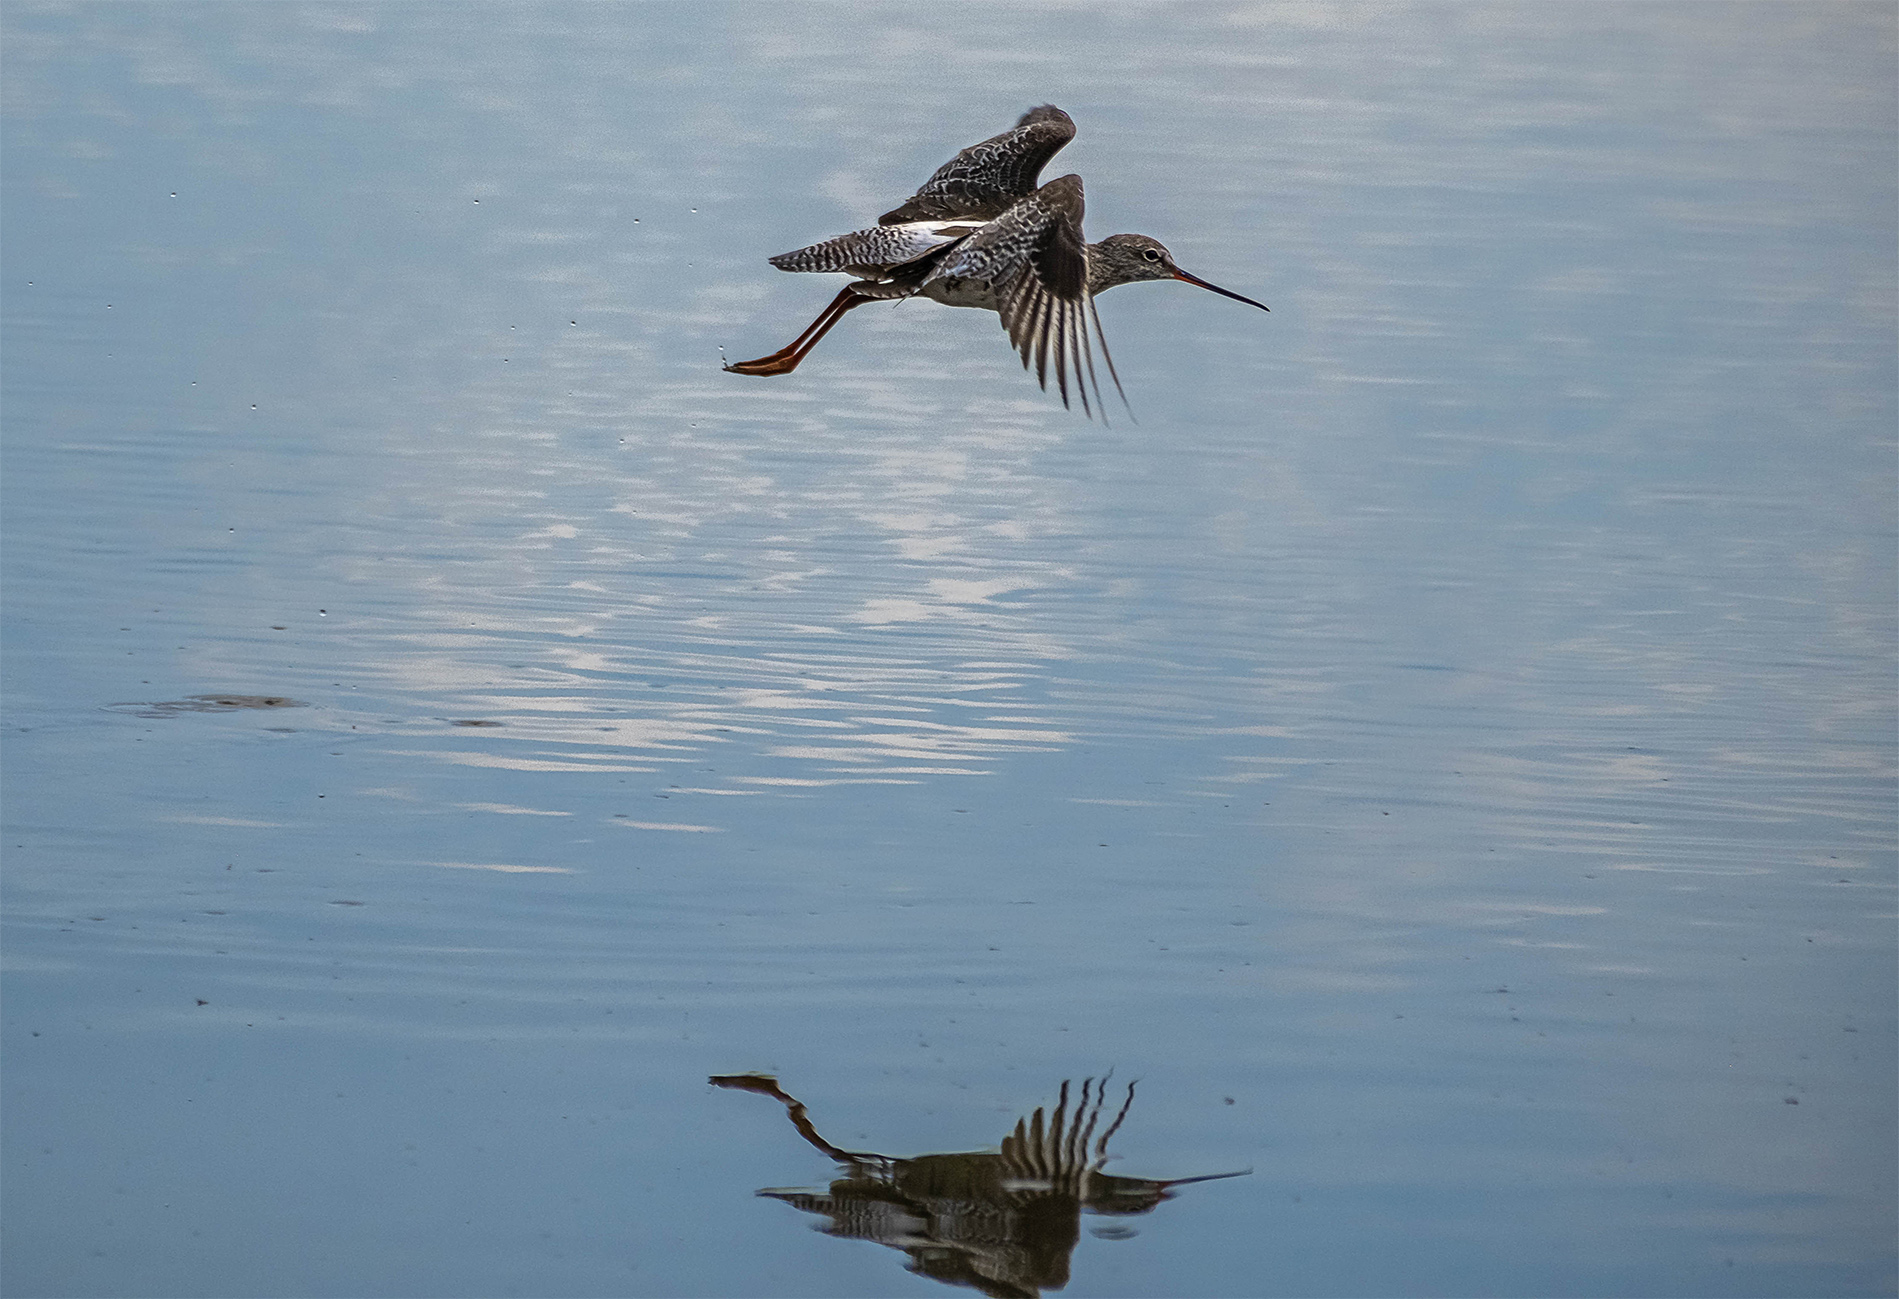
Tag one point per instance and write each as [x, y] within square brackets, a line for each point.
[1441, 741]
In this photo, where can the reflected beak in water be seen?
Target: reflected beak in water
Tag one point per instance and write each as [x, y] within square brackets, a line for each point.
[1225, 293]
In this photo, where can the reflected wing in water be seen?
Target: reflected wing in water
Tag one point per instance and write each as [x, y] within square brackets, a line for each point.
[1002, 1222]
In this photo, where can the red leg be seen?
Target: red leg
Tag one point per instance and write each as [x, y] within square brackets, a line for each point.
[786, 358]
[765, 1085]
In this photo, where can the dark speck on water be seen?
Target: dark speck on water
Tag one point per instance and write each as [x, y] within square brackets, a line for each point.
[208, 704]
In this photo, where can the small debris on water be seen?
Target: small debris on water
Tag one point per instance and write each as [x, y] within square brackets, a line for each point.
[207, 704]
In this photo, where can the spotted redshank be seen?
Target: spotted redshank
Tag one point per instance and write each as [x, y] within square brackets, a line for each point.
[981, 234]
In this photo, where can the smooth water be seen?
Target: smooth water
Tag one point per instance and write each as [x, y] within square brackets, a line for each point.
[1444, 750]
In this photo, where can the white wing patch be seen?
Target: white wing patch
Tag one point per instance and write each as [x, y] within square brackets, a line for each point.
[873, 253]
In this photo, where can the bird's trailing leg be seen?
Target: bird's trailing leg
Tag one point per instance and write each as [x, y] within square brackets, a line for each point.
[766, 1085]
[786, 358]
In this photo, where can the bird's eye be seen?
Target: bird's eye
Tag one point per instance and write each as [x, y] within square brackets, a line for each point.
[1152, 254]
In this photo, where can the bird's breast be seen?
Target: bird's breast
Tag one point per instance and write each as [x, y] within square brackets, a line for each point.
[956, 291]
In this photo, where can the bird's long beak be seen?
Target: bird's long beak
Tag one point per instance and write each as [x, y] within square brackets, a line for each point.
[1225, 293]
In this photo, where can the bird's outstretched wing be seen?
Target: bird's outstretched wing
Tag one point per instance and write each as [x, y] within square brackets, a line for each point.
[1034, 260]
[985, 179]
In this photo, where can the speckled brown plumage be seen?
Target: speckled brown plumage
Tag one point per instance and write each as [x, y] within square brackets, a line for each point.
[985, 179]
[980, 234]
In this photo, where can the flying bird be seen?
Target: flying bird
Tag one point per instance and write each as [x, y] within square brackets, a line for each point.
[980, 233]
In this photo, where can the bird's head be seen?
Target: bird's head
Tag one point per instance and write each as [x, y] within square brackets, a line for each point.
[1129, 259]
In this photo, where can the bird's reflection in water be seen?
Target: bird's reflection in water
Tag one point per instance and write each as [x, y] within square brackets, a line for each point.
[1002, 1222]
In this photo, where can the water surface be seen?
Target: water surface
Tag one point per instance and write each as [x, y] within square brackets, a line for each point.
[1443, 750]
